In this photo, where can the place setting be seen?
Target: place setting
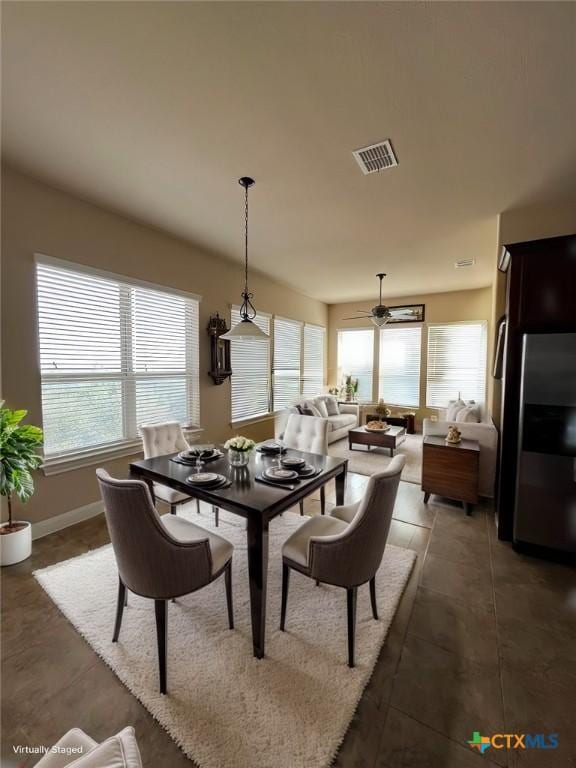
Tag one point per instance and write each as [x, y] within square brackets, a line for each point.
[198, 454]
[288, 472]
[209, 480]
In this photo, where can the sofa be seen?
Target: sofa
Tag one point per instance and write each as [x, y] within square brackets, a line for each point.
[341, 417]
[78, 749]
[482, 430]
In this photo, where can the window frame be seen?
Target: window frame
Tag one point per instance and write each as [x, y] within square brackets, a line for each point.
[131, 443]
[274, 371]
[413, 328]
[304, 377]
[374, 367]
[484, 325]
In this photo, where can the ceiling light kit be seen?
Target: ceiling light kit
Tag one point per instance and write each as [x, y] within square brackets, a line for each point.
[246, 329]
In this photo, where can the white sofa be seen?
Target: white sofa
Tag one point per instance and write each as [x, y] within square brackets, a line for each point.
[487, 435]
[338, 425]
[78, 749]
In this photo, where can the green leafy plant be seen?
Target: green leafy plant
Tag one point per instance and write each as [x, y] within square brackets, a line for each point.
[18, 458]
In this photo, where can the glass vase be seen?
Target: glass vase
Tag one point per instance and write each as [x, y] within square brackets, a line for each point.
[238, 458]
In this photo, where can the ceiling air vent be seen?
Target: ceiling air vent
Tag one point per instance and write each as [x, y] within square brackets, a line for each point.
[376, 157]
[464, 263]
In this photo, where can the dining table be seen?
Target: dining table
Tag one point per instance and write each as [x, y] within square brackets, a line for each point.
[247, 496]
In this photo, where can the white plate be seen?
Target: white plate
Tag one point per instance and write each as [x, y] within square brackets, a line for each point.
[283, 475]
[204, 478]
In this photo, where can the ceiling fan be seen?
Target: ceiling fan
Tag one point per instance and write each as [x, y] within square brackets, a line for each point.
[379, 314]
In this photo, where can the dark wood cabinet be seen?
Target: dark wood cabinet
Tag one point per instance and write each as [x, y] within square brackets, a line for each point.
[451, 470]
[541, 298]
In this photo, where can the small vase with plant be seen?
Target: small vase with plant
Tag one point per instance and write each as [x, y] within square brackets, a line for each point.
[382, 410]
[239, 449]
[18, 459]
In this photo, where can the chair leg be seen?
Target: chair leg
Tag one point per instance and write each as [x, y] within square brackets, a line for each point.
[125, 597]
[198, 506]
[285, 585]
[351, 600]
[373, 597]
[216, 515]
[160, 607]
[322, 500]
[122, 597]
[172, 509]
[228, 579]
[301, 507]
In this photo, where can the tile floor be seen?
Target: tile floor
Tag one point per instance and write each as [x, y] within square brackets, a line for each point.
[484, 640]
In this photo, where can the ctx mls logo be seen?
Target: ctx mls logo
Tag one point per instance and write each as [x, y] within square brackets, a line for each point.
[514, 741]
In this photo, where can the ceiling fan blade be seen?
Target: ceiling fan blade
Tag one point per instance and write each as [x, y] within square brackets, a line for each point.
[358, 317]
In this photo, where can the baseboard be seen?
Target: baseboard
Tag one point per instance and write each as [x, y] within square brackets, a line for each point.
[66, 519]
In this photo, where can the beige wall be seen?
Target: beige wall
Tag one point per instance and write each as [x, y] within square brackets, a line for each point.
[37, 218]
[440, 308]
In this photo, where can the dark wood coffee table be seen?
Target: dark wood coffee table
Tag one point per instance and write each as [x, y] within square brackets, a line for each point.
[391, 438]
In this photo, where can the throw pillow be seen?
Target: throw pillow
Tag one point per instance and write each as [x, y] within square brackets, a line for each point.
[311, 406]
[305, 411]
[120, 751]
[332, 405]
[454, 406]
[470, 413]
[321, 405]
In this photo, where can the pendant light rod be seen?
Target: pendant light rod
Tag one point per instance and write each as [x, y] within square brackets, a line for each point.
[381, 276]
[247, 310]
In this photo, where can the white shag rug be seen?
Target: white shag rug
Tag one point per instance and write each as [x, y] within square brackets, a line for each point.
[224, 708]
[368, 462]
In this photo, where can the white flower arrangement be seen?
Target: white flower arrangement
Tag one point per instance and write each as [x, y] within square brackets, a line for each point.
[239, 443]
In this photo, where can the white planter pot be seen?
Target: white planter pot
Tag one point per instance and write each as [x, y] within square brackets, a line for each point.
[17, 546]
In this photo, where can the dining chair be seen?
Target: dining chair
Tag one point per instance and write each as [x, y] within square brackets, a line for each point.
[160, 558]
[162, 440]
[345, 548]
[309, 434]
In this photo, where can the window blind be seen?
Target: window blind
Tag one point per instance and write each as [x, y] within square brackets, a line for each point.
[250, 372]
[286, 362]
[456, 363]
[400, 350]
[113, 355]
[356, 358]
[313, 374]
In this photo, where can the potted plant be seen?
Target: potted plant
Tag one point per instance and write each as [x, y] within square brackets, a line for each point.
[239, 449]
[18, 443]
[382, 410]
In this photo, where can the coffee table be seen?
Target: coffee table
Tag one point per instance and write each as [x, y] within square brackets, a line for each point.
[391, 438]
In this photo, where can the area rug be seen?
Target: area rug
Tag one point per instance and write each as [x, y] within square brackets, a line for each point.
[224, 708]
[368, 462]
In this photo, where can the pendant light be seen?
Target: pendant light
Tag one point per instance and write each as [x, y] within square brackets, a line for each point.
[246, 329]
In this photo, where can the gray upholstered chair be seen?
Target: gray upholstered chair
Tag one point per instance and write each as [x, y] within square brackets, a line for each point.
[346, 547]
[161, 558]
[162, 440]
[309, 434]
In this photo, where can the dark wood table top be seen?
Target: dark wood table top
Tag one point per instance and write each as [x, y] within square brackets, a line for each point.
[467, 445]
[246, 495]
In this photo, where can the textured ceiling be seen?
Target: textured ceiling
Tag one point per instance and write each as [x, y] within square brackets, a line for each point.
[155, 109]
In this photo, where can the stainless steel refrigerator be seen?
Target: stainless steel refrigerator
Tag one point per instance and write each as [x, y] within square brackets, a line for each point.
[545, 513]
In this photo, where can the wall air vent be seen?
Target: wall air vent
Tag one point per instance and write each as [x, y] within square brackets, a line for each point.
[463, 263]
[376, 157]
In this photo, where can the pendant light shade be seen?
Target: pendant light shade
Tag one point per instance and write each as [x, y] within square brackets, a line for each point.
[246, 329]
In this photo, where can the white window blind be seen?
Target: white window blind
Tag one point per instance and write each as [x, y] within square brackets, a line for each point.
[113, 355]
[286, 362]
[356, 358]
[456, 363]
[313, 374]
[399, 382]
[250, 372]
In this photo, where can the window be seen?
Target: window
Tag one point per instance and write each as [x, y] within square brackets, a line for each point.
[355, 358]
[313, 376]
[456, 363]
[399, 382]
[113, 355]
[286, 362]
[250, 372]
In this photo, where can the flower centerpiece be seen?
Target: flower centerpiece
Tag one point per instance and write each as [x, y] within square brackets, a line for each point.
[239, 450]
